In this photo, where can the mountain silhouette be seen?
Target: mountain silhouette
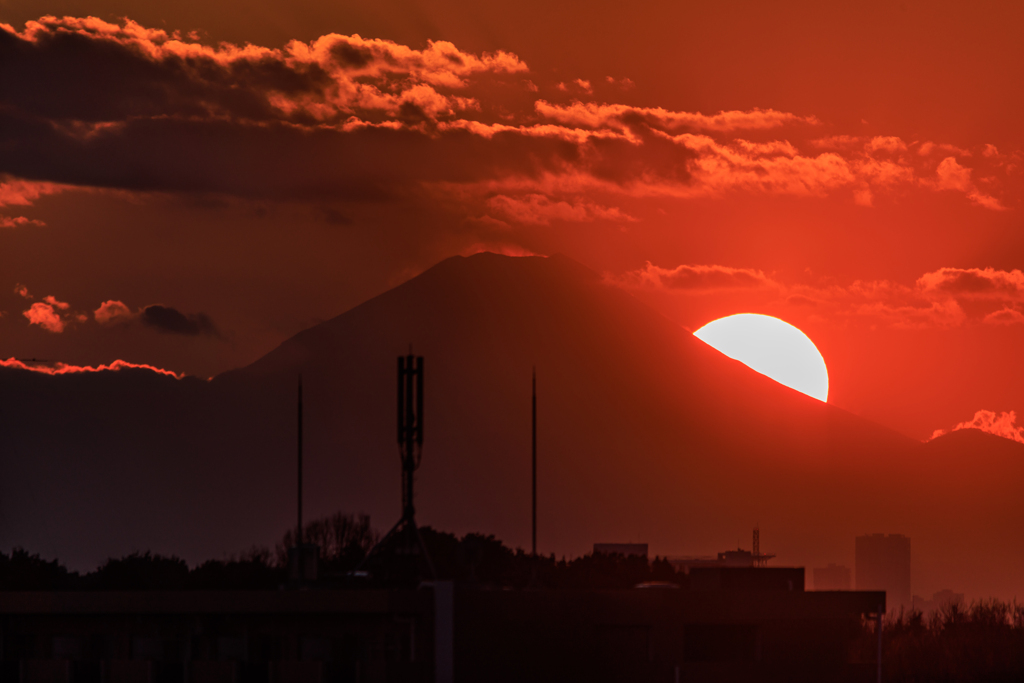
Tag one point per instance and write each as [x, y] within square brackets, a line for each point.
[645, 434]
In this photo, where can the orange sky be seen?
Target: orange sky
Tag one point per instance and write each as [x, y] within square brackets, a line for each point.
[855, 170]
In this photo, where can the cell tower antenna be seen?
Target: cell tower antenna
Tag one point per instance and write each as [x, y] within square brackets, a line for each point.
[410, 445]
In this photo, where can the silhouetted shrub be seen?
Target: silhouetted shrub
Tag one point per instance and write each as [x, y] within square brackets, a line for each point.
[486, 561]
[983, 642]
[23, 572]
[140, 572]
[344, 541]
[252, 570]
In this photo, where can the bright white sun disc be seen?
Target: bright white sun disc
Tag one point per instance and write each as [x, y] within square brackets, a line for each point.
[772, 347]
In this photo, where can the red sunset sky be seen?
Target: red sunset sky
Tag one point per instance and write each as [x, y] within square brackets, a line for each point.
[188, 184]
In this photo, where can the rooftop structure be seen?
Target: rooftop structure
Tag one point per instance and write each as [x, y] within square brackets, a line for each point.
[727, 558]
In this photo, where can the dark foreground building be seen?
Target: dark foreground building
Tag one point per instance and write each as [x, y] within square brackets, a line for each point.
[728, 627]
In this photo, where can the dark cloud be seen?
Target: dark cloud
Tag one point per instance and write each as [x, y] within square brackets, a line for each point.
[335, 217]
[172, 321]
[72, 76]
[281, 162]
[697, 278]
[341, 118]
[975, 282]
[351, 56]
[348, 119]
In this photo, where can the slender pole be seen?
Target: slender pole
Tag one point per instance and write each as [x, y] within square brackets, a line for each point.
[534, 459]
[409, 458]
[298, 534]
[878, 634]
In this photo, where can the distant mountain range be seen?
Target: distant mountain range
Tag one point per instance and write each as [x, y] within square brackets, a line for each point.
[645, 434]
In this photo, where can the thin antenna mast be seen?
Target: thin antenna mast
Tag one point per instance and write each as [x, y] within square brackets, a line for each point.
[760, 559]
[298, 529]
[534, 459]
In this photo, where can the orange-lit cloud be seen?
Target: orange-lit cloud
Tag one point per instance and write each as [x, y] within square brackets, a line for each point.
[54, 315]
[19, 221]
[497, 248]
[45, 316]
[407, 118]
[941, 298]
[696, 278]
[323, 81]
[540, 210]
[61, 305]
[1005, 316]
[987, 283]
[65, 369]
[112, 312]
[950, 175]
[157, 317]
[18, 192]
[1001, 424]
[703, 165]
[623, 117]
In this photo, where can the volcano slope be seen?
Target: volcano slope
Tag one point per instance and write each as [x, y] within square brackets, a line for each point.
[645, 433]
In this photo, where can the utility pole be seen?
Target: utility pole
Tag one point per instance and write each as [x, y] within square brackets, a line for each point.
[534, 460]
[298, 531]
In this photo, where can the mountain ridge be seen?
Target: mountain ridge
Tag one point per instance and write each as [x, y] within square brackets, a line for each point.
[645, 433]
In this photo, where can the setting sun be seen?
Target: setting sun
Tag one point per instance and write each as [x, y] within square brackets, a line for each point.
[772, 347]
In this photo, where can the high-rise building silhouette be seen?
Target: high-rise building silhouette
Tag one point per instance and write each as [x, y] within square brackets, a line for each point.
[883, 564]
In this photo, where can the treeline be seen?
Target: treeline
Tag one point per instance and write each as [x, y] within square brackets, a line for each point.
[344, 541]
[486, 561]
[140, 571]
[983, 641]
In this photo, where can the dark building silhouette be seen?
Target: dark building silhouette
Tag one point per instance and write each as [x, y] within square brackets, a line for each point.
[729, 558]
[834, 577]
[883, 564]
[729, 630]
[752, 578]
